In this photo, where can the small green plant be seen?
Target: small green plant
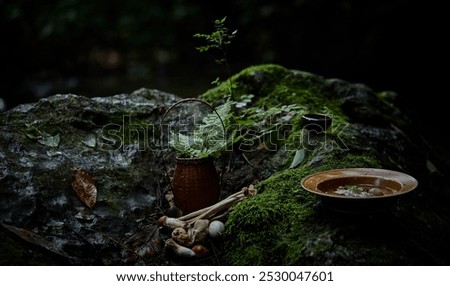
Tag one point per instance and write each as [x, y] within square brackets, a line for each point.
[235, 122]
[208, 139]
[219, 40]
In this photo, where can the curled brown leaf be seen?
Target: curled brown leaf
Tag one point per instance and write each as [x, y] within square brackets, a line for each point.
[84, 186]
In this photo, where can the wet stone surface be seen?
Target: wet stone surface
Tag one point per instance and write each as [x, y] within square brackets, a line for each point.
[36, 175]
[115, 140]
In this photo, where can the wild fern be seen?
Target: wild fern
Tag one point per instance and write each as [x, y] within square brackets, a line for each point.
[207, 139]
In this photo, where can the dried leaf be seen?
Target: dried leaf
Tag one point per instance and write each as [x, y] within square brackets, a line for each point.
[84, 186]
[85, 214]
[34, 135]
[298, 158]
[90, 140]
[32, 132]
[51, 141]
[35, 239]
[53, 153]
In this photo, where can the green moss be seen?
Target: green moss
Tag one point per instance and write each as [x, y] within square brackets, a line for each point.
[260, 222]
[246, 82]
[274, 86]
[281, 225]
[394, 116]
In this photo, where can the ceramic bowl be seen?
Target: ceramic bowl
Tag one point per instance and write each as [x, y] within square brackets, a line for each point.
[359, 189]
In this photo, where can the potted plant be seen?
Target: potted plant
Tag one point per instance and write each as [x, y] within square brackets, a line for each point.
[195, 183]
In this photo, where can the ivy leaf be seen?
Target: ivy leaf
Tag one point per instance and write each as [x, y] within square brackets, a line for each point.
[298, 158]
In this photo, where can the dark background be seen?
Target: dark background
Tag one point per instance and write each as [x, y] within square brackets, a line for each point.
[106, 47]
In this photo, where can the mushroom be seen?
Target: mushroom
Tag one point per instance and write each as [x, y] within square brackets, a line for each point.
[200, 230]
[181, 236]
[178, 250]
[200, 250]
[216, 228]
[171, 222]
[191, 229]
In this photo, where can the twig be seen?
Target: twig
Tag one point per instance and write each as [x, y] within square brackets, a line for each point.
[218, 208]
[215, 210]
[206, 209]
[248, 161]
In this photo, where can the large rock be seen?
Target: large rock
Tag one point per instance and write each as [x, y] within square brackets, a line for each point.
[110, 139]
[284, 225]
[115, 140]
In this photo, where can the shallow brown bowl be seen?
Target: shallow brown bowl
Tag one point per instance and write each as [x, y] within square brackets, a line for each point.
[389, 186]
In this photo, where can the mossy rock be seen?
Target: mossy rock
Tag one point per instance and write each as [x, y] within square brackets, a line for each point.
[283, 224]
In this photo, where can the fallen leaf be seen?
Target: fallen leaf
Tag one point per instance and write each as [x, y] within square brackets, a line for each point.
[90, 140]
[35, 239]
[298, 158]
[51, 141]
[85, 214]
[84, 186]
[53, 153]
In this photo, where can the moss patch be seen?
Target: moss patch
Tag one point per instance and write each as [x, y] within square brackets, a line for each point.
[282, 224]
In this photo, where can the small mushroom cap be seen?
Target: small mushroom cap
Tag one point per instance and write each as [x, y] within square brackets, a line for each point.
[200, 250]
[216, 228]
